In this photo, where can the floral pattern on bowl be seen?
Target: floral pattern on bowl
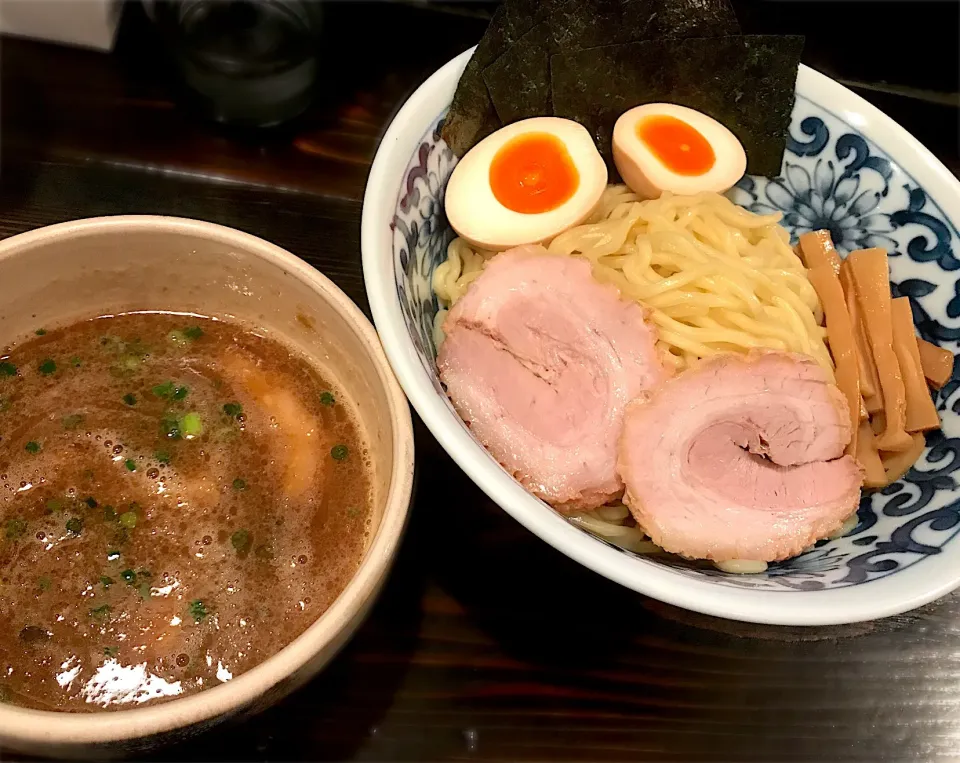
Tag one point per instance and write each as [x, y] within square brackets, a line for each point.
[835, 178]
[420, 238]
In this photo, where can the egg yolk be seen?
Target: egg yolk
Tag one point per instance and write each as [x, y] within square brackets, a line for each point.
[678, 145]
[533, 173]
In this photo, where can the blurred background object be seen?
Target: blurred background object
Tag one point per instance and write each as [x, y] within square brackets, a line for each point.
[86, 23]
[243, 62]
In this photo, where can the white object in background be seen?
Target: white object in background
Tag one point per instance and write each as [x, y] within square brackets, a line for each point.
[87, 23]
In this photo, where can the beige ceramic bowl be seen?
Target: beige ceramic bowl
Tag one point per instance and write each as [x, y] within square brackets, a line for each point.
[103, 265]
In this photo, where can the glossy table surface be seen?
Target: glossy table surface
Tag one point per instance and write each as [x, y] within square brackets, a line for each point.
[487, 644]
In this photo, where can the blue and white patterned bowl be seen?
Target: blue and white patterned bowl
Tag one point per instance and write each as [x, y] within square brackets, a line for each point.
[848, 168]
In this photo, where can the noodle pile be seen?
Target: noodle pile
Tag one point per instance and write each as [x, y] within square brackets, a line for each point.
[714, 277]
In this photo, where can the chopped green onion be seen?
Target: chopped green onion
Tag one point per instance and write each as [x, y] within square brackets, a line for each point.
[327, 399]
[54, 504]
[40, 332]
[129, 576]
[162, 456]
[239, 484]
[100, 612]
[198, 610]
[130, 399]
[47, 367]
[32, 447]
[168, 390]
[233, 409]
[128, 519]
[75, 362]
[7, 369]
[164, 390]
[75, 525]
[339, 452]
[191, 425]
[15, 528]
[130, 464]
[72, 421]
[44, 582]
[106, 582]
[109, 513]
[91, 502]
[241, 541]
[111, 651]
[193, 332]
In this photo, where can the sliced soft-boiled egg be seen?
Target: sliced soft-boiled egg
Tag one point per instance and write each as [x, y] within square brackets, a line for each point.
[525, 183]
[661, 147]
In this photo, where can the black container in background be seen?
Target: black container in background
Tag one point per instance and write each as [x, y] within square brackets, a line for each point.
[250, 63]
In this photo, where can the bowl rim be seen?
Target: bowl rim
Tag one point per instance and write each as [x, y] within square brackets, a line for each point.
[908, 589]
[51, 728]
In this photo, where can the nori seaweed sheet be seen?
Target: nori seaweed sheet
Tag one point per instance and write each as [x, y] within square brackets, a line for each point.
[580, 24]
[472, 116]
[746, 83]
[674, 19]
[519, 80]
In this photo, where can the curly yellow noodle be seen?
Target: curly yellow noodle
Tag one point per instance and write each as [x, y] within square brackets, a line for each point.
[761, 328]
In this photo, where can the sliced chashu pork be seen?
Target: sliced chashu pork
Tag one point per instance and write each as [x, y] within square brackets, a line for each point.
[541, 360]
[740, 457]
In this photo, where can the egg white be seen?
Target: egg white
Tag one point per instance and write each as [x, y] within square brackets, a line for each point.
[647, 176]
[477, 216]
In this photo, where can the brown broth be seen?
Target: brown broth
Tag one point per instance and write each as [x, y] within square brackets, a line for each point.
[139, 562]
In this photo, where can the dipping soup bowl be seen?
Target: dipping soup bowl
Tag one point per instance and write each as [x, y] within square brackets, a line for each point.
[76, 270]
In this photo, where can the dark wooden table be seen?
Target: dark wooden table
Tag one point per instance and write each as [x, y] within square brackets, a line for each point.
[487, 644]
